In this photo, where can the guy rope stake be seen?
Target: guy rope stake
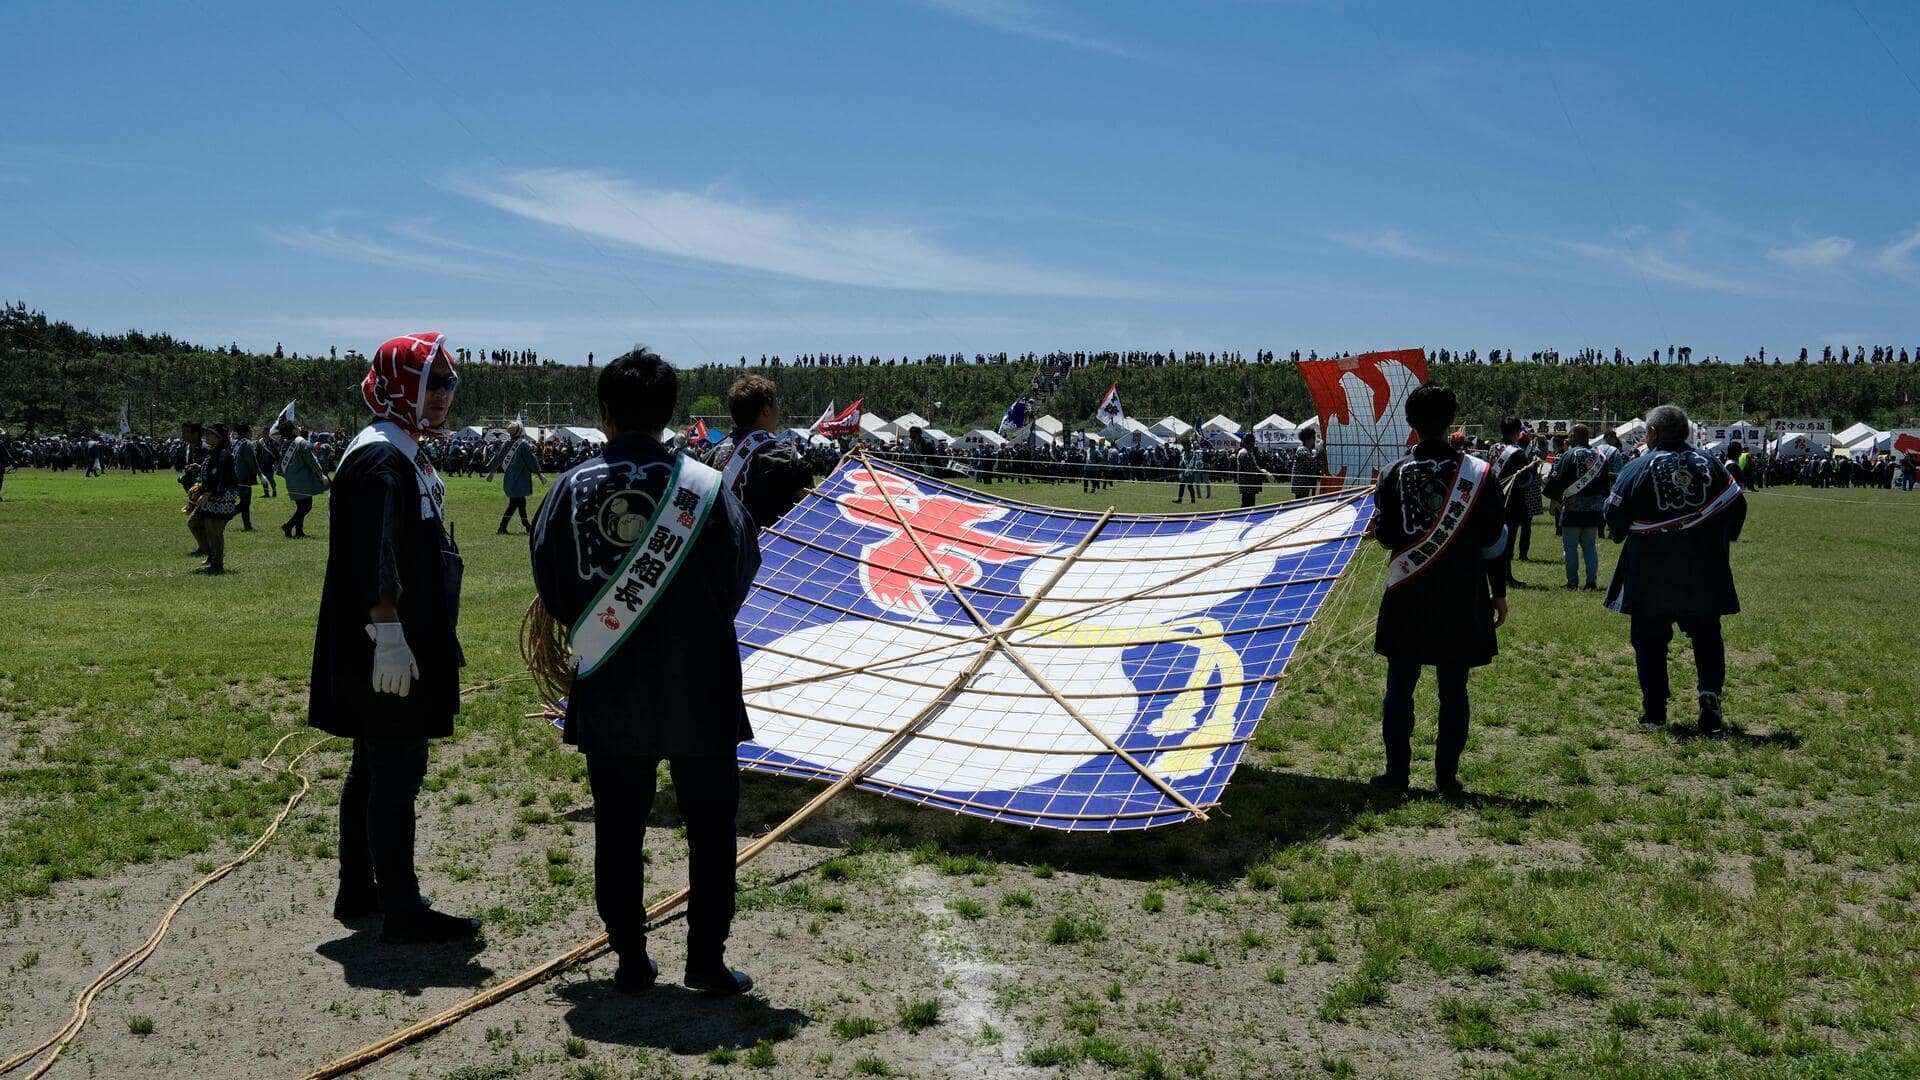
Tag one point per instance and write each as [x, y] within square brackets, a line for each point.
[898, 738]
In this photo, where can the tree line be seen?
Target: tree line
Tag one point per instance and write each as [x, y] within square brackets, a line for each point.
[56, 378]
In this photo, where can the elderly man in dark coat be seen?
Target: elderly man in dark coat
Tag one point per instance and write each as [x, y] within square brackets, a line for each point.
[518, 466]
[1441, 512]
[385, 656]
[649, 556]
[1677, 511]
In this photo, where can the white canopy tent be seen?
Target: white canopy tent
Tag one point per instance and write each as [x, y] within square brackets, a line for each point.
[1632, 433]
[1276, 421]
[580, 436]
[1802, 444]
[470, 432]
[936, 436]
[1171, 428]
[982, 439]
[1222, 423]
[1033, 433]
[871, 423]
[904, 423]
[1861, 437]
[1130, 432]
[1050, 425]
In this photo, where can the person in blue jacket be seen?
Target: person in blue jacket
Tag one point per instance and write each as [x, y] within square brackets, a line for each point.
[1677, 511]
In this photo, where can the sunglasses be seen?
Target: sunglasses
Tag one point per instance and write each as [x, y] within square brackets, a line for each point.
[436, 382]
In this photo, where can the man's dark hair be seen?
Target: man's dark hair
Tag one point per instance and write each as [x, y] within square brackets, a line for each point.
[1430, 409]
[244, 431]
[1509, 426]
[1581, 433]
[637, 392]
[748, 397]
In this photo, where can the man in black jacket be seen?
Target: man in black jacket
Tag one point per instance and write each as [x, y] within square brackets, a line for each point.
[1677, 511]
[768, 475]
[386, 658]
[1441, 513]
[648, 557]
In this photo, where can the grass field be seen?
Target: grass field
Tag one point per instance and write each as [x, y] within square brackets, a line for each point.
[1607, 903]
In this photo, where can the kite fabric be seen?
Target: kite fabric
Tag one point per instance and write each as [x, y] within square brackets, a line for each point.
[1128, 660]
[1362, 403]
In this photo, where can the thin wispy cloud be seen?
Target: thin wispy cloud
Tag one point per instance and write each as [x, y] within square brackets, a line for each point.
[1398, 244]
[1821, 253]
[333, 244]
[1669, 266]
[1897, 258]
[1034, 21]
[703, 228]
[480, 330]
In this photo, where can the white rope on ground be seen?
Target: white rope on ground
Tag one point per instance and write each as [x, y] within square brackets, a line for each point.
[57, 1043]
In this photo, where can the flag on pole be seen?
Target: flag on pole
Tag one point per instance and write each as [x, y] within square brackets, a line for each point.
[126, 429]
[697, 434]
[826, 414]
[1015, 417]
[843, 424]
[1110, 411]
[286, 414]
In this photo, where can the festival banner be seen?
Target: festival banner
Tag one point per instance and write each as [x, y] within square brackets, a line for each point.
[1362, 404]
[1798, 425]
[1110, 411]
[842, 425]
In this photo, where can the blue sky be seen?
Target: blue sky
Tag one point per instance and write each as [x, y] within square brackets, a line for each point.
[908, 176]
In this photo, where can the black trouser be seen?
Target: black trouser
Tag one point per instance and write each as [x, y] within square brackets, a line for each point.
[376, 820]
[1650, 635]
[516, 502]
[297, 523]
[708, 790]
[267, 484]
[1396, 719]
[1184, 488]
[246, 507]
[1247, 495]
[1513, 539]
[1526, 536]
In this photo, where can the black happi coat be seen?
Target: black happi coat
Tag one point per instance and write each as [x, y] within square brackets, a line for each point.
[1686, 572]
[382, 540]
[1444, 615]
[673, 688]
[770, 484]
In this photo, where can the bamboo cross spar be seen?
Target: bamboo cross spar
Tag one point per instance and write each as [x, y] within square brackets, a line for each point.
[367, 1055]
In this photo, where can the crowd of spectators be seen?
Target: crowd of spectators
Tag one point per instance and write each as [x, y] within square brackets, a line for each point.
[1067, 361]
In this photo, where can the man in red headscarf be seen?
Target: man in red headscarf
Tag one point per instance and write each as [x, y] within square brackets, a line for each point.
[385, 654]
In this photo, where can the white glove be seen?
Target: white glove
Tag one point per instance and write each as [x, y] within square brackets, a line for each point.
[393, 666]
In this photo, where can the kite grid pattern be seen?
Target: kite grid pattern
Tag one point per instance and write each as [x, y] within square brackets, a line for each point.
[1058, 669]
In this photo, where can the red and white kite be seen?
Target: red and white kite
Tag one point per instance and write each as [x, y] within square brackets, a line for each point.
[1362, 402]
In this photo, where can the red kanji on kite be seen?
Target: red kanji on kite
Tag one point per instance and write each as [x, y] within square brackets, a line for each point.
[1906, 444]
[894, 572]
[610, 619]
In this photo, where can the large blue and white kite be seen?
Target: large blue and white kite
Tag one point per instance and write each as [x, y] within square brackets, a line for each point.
[1053, 668]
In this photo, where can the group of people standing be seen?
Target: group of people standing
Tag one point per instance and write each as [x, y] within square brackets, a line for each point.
[219, 471]
[1450, 521]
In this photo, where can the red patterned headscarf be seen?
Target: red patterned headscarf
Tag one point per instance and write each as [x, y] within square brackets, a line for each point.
[396, 386]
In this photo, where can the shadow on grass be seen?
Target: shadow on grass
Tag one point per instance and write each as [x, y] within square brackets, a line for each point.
[673, 1018]
[1786, 739]
[1263, 809]
[365, 961]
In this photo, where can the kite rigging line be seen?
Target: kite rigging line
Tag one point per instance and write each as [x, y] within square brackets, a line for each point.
[591, 949]
[121, 968]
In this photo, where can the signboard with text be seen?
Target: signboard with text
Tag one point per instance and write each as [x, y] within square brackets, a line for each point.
[1784, 425]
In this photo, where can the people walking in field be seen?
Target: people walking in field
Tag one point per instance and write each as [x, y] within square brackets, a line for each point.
[1308, 465]
[518, 466]
[304, 476]
[1442, 516]
[1676, 510]
[1248, 471]
[213, 501]
[269, 454]
[649, 556]
[1511, 465]
[386, 656]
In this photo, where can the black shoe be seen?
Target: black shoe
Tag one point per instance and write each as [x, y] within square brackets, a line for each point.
[1712, 720]
[1516, 583]
[201, 552]
[635, 976]
[356, 902]
[719, 981]
[1649, 722]
[1389, 782]
[287, 531]
[502, 532]
[426, 924]
[1449, 789]
[1570, 587]
[209, 569]
[1591, 587]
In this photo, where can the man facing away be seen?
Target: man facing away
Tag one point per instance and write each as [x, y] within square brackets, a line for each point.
[1677, 511]
[1511, 464]
[648, 557]
[1582, 475]
[1441, 513]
